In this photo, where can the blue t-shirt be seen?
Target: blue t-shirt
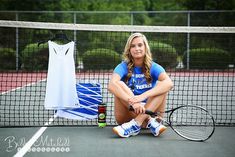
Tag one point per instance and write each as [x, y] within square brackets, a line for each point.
[137, 83]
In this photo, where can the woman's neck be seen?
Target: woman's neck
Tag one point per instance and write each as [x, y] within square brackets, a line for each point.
[138, 62]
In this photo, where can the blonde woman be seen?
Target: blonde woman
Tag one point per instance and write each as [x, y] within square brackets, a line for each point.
[141, 83]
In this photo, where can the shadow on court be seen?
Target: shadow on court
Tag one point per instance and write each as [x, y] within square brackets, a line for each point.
[94, 141]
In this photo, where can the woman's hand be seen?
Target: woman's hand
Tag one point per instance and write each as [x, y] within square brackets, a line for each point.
[136, 99]
[138, 108]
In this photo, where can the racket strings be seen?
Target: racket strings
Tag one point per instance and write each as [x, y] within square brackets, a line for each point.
[192, 122]
[194, 132]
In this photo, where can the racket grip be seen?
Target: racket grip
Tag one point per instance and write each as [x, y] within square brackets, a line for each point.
[149, 113]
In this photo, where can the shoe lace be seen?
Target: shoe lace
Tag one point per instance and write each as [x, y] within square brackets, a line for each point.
[155, 124]
[126, 125]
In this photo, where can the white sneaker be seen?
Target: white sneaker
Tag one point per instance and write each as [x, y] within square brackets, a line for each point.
[155, 127]
[127, 129]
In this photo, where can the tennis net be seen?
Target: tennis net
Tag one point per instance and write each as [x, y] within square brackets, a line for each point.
[199, 60]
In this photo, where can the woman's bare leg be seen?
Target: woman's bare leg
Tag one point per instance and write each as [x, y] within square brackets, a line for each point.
[157, 103]
[123, 115]
[121, 112]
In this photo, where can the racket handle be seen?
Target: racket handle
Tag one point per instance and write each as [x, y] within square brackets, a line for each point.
[146, 111]
[149, 113]
[131, 108]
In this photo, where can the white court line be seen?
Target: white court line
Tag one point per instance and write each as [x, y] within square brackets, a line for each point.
[18, 88]
[34, 138]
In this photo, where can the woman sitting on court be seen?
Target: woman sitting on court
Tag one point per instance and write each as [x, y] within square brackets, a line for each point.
[141, 83]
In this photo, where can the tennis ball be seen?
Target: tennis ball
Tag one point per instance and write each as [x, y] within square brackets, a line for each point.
[102, 116]
[102, 125]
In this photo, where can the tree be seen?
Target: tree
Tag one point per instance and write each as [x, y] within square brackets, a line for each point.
[211, 19]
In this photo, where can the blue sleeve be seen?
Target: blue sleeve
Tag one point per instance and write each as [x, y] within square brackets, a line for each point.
[121, 70]
[156, 70]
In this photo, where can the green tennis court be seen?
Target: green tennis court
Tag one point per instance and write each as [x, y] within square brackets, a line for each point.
[93, 141]
[199, 77]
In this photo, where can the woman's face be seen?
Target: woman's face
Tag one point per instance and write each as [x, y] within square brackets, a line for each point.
[137, 48]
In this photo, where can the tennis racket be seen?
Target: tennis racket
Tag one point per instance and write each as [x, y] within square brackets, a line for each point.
[191, 122]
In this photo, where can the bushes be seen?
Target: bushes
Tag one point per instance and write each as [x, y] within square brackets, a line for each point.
[208, 58]
[34, 57]
[7, 59]
[100, 59]
[164, 54]
[200, 58]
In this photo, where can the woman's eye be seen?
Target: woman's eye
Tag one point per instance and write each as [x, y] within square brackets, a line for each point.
[140, 45]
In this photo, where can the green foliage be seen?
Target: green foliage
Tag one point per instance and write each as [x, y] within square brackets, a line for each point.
[164, 54]
[7, 59]
[86, 16]
[169, 19]
[208, 58]
[208, 4]
[208, 19]
[34, 57]
[100, 59]
[122, 5]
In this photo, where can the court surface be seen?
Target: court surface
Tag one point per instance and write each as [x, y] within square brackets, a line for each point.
[94, 141]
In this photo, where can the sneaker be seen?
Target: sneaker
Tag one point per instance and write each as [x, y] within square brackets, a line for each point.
[127, 129]
[155, 127]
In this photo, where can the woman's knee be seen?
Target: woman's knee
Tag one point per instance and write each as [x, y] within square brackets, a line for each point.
[121, 112]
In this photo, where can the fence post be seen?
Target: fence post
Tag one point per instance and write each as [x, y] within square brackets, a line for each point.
[188, 42]
[17, 43]
[74, 21]
[132, 18]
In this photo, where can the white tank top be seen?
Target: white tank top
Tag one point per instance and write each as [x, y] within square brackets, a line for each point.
[61, 79]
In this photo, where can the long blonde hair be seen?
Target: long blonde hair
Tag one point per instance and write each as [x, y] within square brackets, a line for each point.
[130, 61]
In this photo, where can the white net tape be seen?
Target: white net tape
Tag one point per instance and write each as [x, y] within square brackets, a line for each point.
[116, 28]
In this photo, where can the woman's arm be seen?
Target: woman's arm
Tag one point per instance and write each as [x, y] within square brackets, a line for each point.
[119, 89]
[115, 88]
[164, 85]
